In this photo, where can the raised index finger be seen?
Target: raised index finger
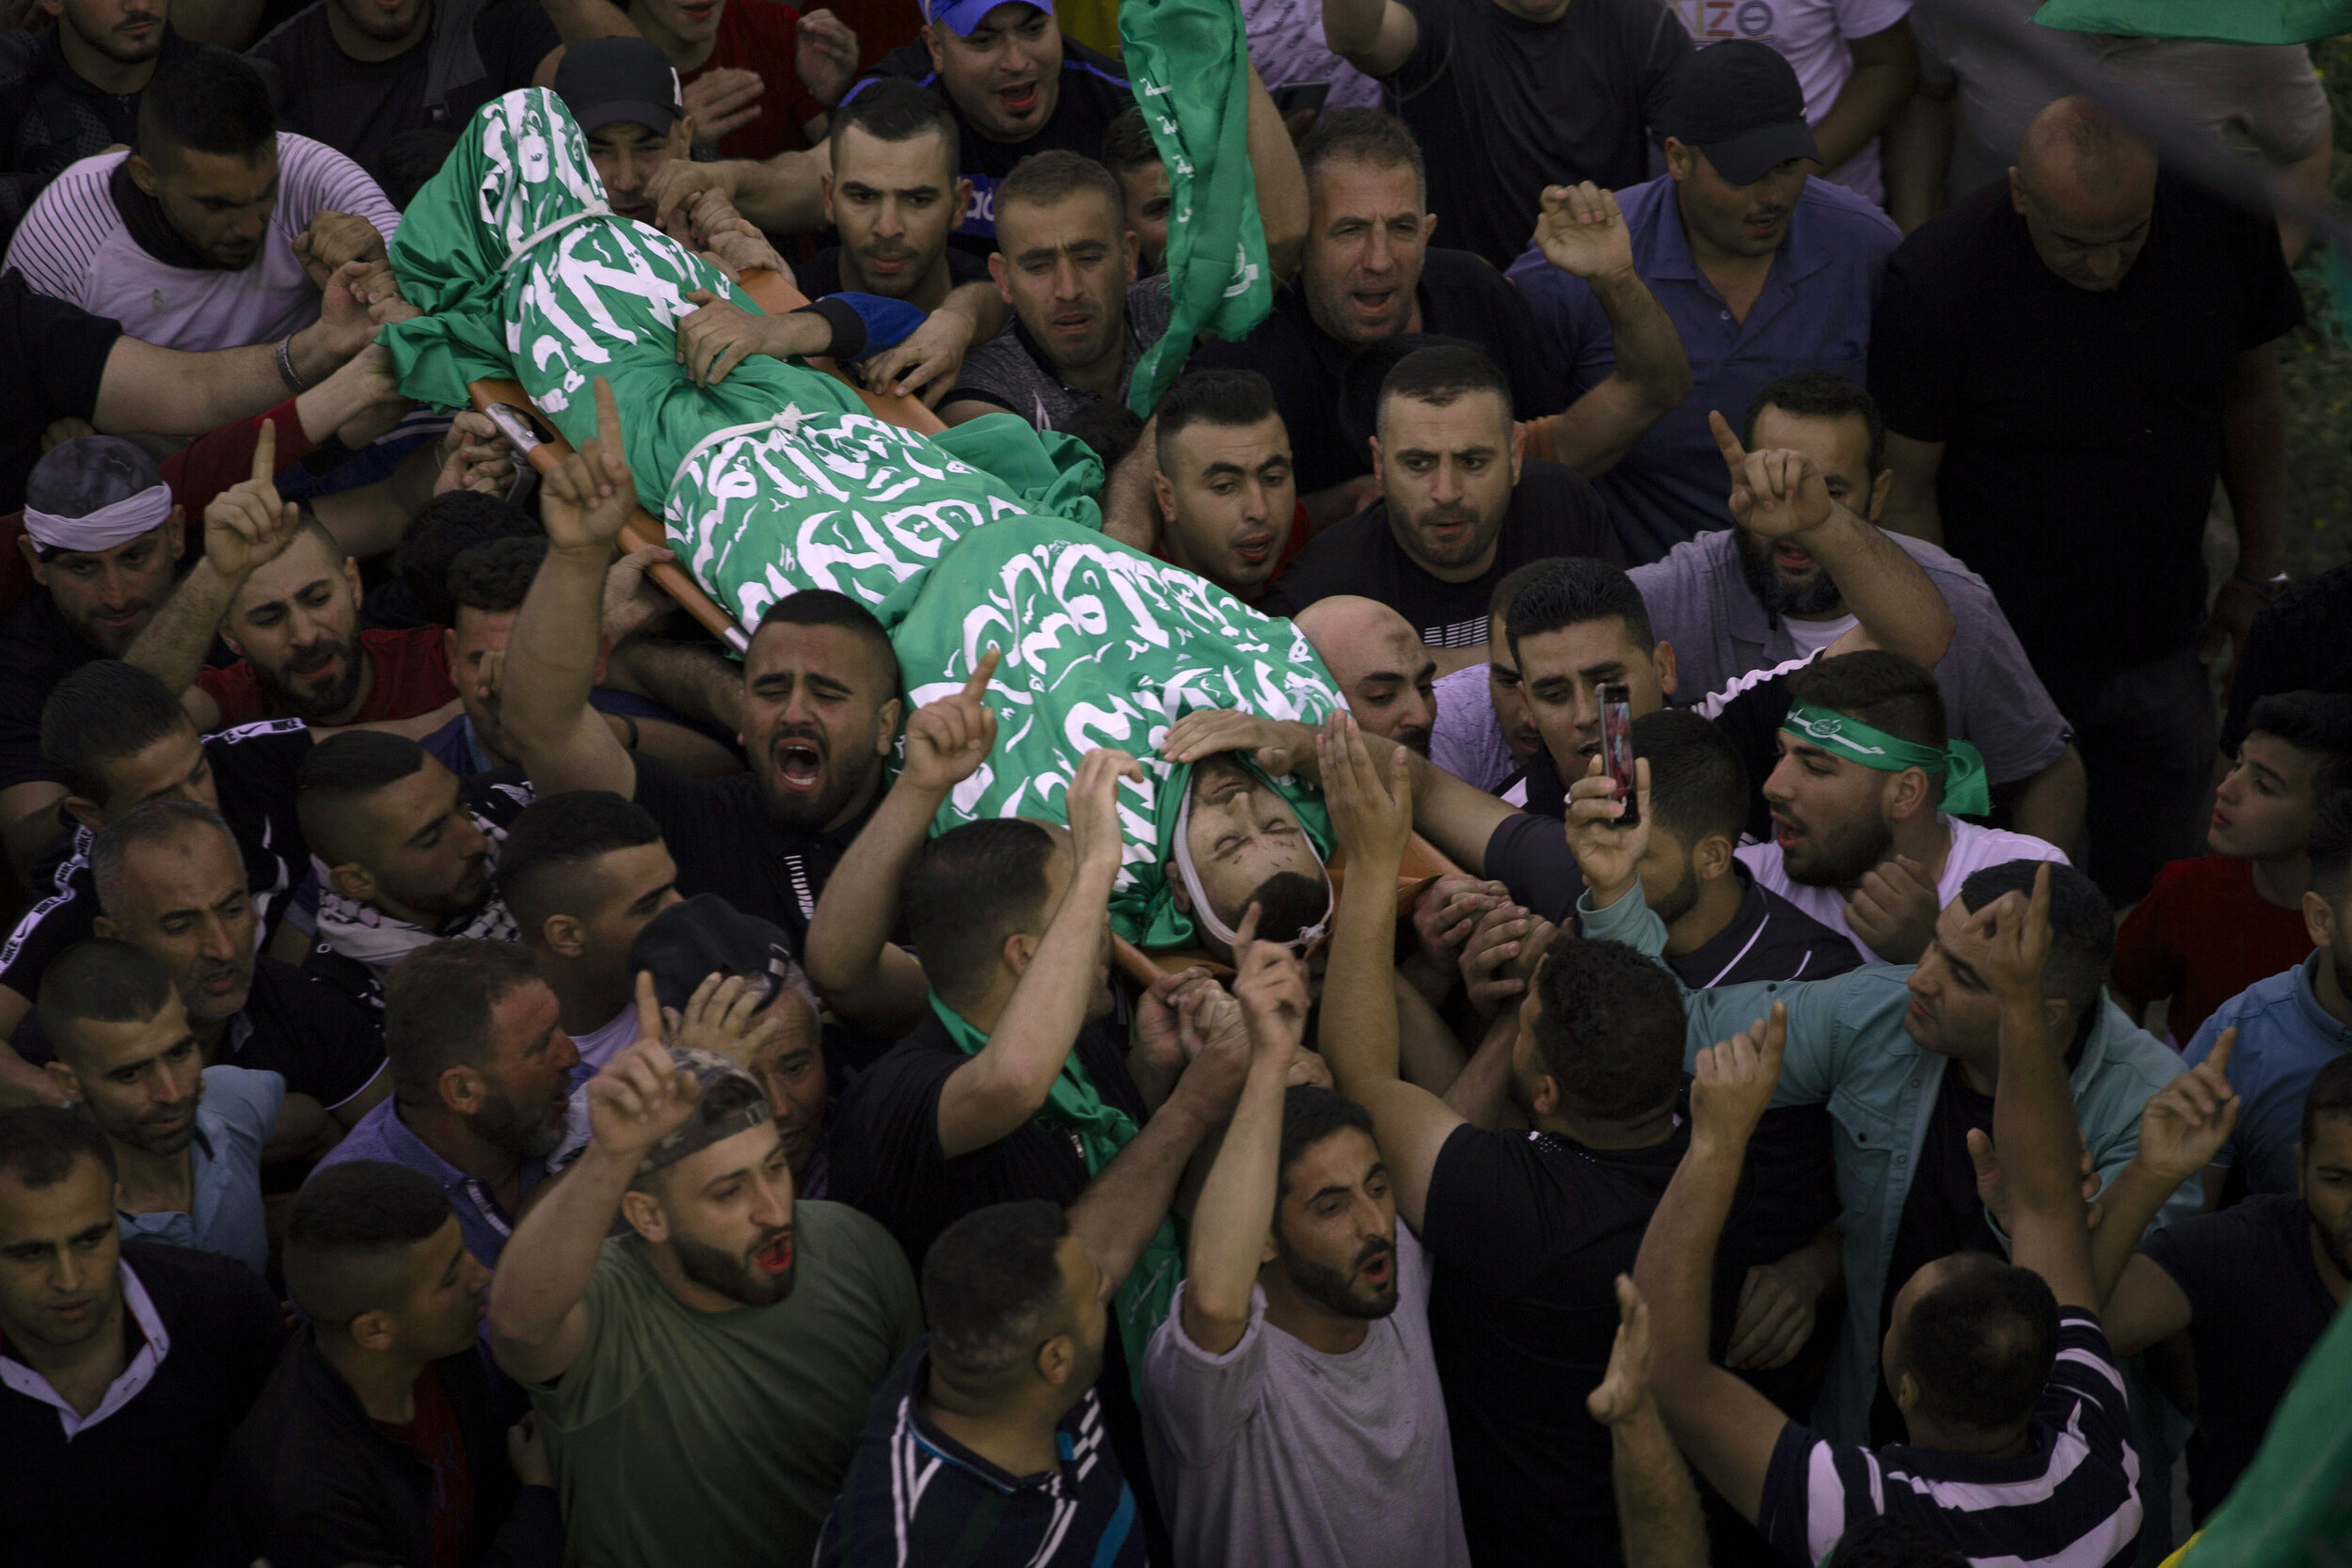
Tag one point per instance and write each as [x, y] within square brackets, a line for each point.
[608, 418]
[1735, 456]
[265, 452]
[2218, 1058]
[976, 682]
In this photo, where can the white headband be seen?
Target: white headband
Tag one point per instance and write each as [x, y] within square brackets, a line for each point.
[1207, 916]
[117, 523]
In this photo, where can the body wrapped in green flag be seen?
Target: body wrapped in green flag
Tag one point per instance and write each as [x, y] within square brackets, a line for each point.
[2215, 21]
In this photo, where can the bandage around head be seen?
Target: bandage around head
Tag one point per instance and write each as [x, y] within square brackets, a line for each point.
[1961, 766]
[116, 523]
[1207, 916]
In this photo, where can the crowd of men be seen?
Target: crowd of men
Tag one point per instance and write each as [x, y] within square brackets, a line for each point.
[490, 1077]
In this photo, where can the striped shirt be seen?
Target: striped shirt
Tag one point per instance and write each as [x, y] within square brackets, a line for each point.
[2071, 1501]
[915, 1498]
[76, 245]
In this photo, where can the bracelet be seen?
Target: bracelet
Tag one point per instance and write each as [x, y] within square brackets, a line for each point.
[631, 744]
[286, 371]
[2266, 589]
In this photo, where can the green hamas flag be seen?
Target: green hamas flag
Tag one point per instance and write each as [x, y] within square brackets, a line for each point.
[2293, 1507]
[1189, 63]
[2217, 20]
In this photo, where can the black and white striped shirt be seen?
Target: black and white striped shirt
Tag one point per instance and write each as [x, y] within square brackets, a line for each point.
[2070, 1502]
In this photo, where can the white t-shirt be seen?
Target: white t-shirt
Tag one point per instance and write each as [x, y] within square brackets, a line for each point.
[1811, 36]
[1278, 1453]
[600, 1045]
[73, 246]
[1811, 636]
[1973, 849]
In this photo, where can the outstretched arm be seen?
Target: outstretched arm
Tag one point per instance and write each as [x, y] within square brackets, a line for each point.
[1374, 818]
[1373, 36]
[1583, 232]
[1728, 1428]
[2185, 1126]
[1281, 184]
[551, 659]
[1657, 1508]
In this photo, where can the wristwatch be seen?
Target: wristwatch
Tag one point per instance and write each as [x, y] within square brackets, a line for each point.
[2265, 589]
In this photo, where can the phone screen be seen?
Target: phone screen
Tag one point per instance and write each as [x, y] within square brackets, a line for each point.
[1616, 745]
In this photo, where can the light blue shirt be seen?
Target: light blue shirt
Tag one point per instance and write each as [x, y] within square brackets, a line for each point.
[1847, 1049]
[2284, 1036]
[232, 1123]
[481, 1218]
[1813, 315]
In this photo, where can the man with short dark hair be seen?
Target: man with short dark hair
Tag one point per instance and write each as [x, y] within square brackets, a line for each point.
[480, 1072]
[1513, 98]
[1484, 735]
[2289, 1027]
[1731, 600]
[584, 873]
[704, 1374]
[1134, 159]
[1866, 804]
[72, 90]
[893, 194]
[121, 1358]
[1385, 671]
[187, 1138]
[402, 853]
[1368, 271]
[1000, 1398]
[1458, 507]
[194, 245]
[1228, 500]
[377, 1439]
[2044, 428]
[1763, 271]
[2017, 1434]
[355, 73]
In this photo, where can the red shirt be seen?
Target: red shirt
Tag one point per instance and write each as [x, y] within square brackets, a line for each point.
[432, 1434]
[2203, 935]
[763, 36]
[1299, 534]
[411, 677]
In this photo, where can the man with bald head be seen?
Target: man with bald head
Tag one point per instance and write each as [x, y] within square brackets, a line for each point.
[2066, 365]
[1388, 673]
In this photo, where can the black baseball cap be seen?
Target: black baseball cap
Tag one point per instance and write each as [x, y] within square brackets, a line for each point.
[605, 80]
[705, 935]
[1739, 102]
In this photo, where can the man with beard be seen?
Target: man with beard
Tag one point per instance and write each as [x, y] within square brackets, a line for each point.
[1731, 600]
[1761, 269]
[999, 1399]
[1291, 1398]
[1459, 508]
[123, 1358]
[820, 714]
[480, 1072]
[1386, 672]
[355, 73]
[702, 1376]
[92, 64]
[2256, 1285]
[1229, 503]
[402, 850]
[2289, 1027]
[893, 195]
[187, 1138]
[285, 596]
[1867, 838]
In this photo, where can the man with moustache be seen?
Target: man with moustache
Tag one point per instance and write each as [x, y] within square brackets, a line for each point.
[72, 90]
[481, 1070]
[894, 195]
[124, 1358]
[187, 1138]
[704, 1374]
[821, 713]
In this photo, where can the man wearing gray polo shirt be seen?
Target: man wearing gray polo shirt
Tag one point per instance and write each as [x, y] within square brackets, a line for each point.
[1731, 602]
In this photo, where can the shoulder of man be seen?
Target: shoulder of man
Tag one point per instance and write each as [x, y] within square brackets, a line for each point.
[1861, 228]
[1830, 954]
[247, 1099]
[208, 1294]
[1080, 60]
[913, 60]
[19, 51]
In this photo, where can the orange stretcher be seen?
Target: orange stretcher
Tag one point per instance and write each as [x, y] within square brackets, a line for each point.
[543, 447]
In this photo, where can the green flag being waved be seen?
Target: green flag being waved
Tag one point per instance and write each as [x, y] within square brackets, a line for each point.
[1189, 61]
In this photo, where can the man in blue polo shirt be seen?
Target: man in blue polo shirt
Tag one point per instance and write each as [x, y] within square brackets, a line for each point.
[1763, 270]
[2291, 1024]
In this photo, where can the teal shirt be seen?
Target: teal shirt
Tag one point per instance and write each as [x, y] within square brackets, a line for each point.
[1847, 1049]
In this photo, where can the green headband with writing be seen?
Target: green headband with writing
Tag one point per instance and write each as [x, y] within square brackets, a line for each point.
[1961, 766]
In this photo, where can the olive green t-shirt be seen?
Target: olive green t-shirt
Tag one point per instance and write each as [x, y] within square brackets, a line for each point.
[708, 1438]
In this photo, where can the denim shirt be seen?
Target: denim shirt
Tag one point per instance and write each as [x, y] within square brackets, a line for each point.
[2284, 1036]
[481, 1219]
[224, 1214]
[1847, 1049]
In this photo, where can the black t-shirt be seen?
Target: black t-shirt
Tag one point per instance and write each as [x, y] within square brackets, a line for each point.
[57, 353]
[253, 777]
[1530, 1232]
[37, 649]
[358, 107]
[2082, 429]
[1769, 939]
[64, 1501]
[1461, 296]
[1553, 511]
[724, 842]
[52, 116]
[2257, 1305]
[1942, 1214]
[1094, 92]
[2296, 645]
[820, 274]
[1505, 106]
